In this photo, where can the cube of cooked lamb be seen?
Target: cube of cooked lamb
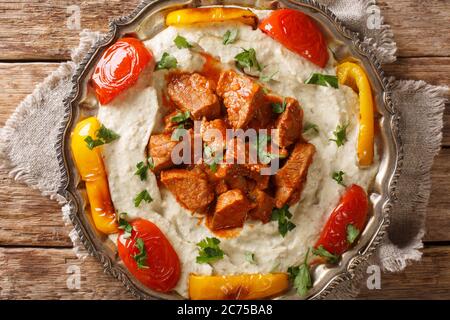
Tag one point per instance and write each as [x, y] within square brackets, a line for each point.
[160, 149]
[194, 93]
[191, 189]
[290, 178]
[241, 96]
[289, 124]
[211, 130]
[263, 205]
[231, 210]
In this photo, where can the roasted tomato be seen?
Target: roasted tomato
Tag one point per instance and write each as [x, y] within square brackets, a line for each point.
[149, 256]
[237, 287]
[119, 68]
[351, 210]
[215, 14]
[297, 32]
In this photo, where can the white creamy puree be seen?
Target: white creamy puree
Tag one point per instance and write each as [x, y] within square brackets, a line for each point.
[136, 114]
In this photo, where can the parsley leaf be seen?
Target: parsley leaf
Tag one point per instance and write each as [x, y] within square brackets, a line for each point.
[104, 136]
[141, 257]
[301, 277]
[261, 148]
[323, 80]
[340, 135]
[151, 163]
[124, 225]
[178, 133]
[211, 158]
[167, 62]
[250, 257]
[142, 196]
[322, 252]
[279, 107]
[230, 36]
[310, 128]
[247, 59]
[352, 233]
[142, 170]
[209, 250]
[267, 78]
[339, 177]
[282, 216]
[181, 42]
[181, 117]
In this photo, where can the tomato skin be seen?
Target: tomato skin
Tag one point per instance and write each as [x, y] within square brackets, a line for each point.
[352, 209]
[163, 271]
[297, 32]
[119, 68]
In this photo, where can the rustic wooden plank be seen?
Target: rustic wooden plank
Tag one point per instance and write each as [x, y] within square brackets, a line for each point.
[39, 29]
[44, 274]
[421, 28]
[40, 219]
[427, 279]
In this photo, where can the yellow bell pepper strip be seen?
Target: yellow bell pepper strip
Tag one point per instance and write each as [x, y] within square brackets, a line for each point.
[92, 172]
[237, 287]
[210, 15]
[353, 75]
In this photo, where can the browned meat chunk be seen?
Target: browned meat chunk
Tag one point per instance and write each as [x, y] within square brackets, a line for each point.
[211, 130]
[289, 124]
[231, 210]
[160, 149]
[191, 188]
[289, 180]
[263, 205]
[194, 93]
[241, 96]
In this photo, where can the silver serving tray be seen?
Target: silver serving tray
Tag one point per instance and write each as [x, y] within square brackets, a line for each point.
[148, 19]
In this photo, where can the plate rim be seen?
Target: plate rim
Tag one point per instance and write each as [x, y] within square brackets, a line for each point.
[75, 208]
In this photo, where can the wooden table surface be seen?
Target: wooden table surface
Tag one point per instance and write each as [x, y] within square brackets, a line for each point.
[36, 256]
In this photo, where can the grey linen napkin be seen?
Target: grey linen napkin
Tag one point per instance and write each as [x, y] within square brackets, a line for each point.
[32, 130]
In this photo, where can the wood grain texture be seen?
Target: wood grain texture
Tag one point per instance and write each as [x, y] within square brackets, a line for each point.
[33, 273]
[37, 29]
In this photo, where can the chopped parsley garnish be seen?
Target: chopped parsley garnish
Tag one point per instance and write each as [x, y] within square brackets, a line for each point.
[125, 225]
[301, 277]
[167, 62]
[323, 80]
[322, 252]
[247, 59]
[182, 43]
[151, 163]
[142, 170]
[352, 233]
[230, 36]
[141, 256]
[340, 135]
[339, 177]
[261, 148]
[178, 133]
[211, 158]
[250, 257]
[209, 250]
[104, 136]
[282, 216]
[181, 117]
[267, 78]
[142, 196]
[310, 128]
[278, 107]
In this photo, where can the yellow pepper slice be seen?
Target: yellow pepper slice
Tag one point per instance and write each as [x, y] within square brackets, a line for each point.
[237, 287]
[353, 75]
[210, 15]
[90, 166]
